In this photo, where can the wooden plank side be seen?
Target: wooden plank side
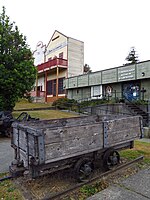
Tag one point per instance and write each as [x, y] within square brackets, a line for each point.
[22, 140]
[74, 140]
[60, 134]
[123, 123]
[119, 136]
[42, 124]
[31, 145]
[24, 157]
[15, 136]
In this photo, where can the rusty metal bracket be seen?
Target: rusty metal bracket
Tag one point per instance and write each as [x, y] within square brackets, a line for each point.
[105, 124]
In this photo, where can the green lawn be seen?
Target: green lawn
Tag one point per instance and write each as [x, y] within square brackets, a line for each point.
[24, 104]
[8, 190]
[42, 114]
[47, 114]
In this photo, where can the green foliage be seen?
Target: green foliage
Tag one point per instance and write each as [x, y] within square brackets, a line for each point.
[141, 102]
[89, 190]
[17, 72]
[64, 103]
[132, 58]
[93, 103]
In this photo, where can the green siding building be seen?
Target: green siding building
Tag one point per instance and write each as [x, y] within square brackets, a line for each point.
[128, 81]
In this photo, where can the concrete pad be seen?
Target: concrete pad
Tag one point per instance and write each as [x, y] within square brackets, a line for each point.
[6, 154]
[139, 182]
[117, 193]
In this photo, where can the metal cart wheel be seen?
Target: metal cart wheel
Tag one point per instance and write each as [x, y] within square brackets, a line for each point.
[111, 158]
[83, 169]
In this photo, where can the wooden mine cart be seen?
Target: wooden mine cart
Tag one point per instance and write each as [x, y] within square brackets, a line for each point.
[52, 145]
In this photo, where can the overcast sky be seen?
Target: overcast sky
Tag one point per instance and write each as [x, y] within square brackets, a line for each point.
[108, 28]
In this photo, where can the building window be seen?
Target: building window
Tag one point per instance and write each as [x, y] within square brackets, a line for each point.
[60, 86]
[51, 87]
[61, 55]
[39, 88]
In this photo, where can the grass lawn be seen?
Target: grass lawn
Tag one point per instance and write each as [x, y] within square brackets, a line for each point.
[46, 114]
[24, 104]
[141, 148]
[41, 114]
[8, 190]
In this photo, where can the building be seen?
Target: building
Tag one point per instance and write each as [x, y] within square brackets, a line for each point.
[62, 58]
[131, 82]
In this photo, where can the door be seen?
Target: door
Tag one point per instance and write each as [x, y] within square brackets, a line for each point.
[131, 91]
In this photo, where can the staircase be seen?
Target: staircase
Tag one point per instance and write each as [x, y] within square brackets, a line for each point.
[135, 110]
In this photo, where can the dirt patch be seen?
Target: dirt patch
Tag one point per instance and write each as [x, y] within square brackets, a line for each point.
[51, 184]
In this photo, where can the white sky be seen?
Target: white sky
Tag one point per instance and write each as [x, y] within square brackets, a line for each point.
[108, 28]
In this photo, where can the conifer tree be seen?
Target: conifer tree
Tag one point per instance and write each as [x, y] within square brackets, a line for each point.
[132, 57]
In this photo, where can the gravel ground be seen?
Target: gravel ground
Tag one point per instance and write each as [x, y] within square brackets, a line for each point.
[6, 154]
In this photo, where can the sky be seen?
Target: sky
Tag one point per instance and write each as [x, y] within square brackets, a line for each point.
[108, 28]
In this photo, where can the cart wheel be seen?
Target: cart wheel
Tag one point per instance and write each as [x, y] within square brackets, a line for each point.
[110, 159]
[83, 169]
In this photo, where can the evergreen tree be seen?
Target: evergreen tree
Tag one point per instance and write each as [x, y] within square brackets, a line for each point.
[17, 71]
[132, 57]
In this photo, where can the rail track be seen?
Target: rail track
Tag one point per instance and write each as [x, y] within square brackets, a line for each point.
[64, 193]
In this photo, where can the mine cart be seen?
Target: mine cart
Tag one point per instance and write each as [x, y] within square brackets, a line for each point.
[6, 120]
[51, 145]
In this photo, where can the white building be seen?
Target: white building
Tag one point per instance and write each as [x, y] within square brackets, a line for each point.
[62, 58]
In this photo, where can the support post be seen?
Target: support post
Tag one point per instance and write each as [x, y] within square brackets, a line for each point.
[45, 86]
[36, 91]
[57, 82]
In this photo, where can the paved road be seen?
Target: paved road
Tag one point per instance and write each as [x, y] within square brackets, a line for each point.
[6, 154]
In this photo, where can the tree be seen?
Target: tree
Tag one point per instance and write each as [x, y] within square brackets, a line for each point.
[132, 57]
[17, 71]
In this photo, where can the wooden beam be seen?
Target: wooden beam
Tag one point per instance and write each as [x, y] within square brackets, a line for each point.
[45, 86]
[57, 82]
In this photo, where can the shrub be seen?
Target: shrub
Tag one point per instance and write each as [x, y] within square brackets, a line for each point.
[64, 103]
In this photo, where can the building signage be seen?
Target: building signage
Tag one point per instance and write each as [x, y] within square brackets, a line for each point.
[126, 74]
[56, 48]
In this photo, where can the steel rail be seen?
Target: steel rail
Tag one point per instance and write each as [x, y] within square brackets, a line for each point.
[6, 178]
[79, 185]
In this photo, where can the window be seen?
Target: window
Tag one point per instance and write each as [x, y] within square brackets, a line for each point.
[39, 88]
[51, 87]
[60, 86]
[61, 55]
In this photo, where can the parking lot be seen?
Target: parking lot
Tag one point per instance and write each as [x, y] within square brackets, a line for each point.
[6, 154]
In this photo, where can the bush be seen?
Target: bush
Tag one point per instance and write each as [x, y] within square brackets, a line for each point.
[93, 102]
[64, 103]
